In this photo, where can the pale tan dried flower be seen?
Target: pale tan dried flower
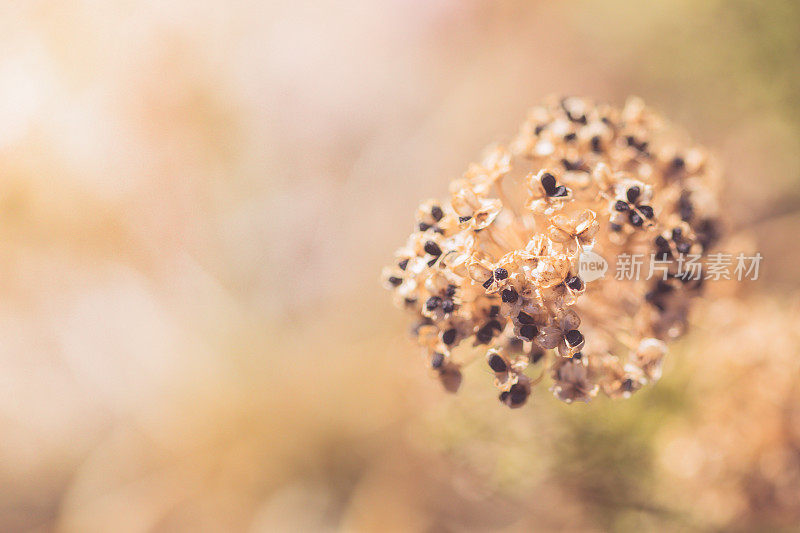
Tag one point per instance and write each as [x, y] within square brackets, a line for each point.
[499, 264]
[571, 381]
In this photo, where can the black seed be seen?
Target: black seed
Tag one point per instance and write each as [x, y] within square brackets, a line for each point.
[528, 331]
[484, 335]
[683, 247]
[432, 248]
[500, 273]
[621, 206]
[647, 211]
[678, 163]
[451, 290]
[509, 296]
[448, 306]
[577, 356]
[685, 207]
[432, 303]
[494, 311]
[503, 396]
[662, 287]
[548, 183]
[574, 337]
[463, 219]
[633, 193]
[560, 191]
[437, 213]
[580, 119]
[538, 129]
[677, 234]
[410, 301]
[614, 227]
[437, 360]
[596, 147]
[403, 264]
[394, 280]
[497, 364]
[517, 395]
[707, 232]
[433, 261]
[640, 146]
[570, 165]
[570, 137]
[635, 219]
[524, 318]
[494, 324]
[449, 336]
[627, 385]
[488, 283]
[423, 226]
[575, 283]
[663, 251]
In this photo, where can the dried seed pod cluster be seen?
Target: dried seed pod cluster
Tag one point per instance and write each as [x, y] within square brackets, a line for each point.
[497, 265]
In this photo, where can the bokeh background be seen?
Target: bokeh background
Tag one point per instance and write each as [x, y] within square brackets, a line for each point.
[196, 199]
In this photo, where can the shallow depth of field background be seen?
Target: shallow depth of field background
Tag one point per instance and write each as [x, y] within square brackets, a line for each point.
[196, 199]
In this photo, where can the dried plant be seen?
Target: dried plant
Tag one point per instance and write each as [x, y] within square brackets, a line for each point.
[499, 264]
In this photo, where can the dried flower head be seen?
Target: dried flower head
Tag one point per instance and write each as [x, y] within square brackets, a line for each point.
[497, 265]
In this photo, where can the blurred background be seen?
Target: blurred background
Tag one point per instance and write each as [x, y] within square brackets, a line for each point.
[196, 199]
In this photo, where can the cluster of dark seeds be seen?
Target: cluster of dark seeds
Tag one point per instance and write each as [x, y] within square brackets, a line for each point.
[497, 267]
